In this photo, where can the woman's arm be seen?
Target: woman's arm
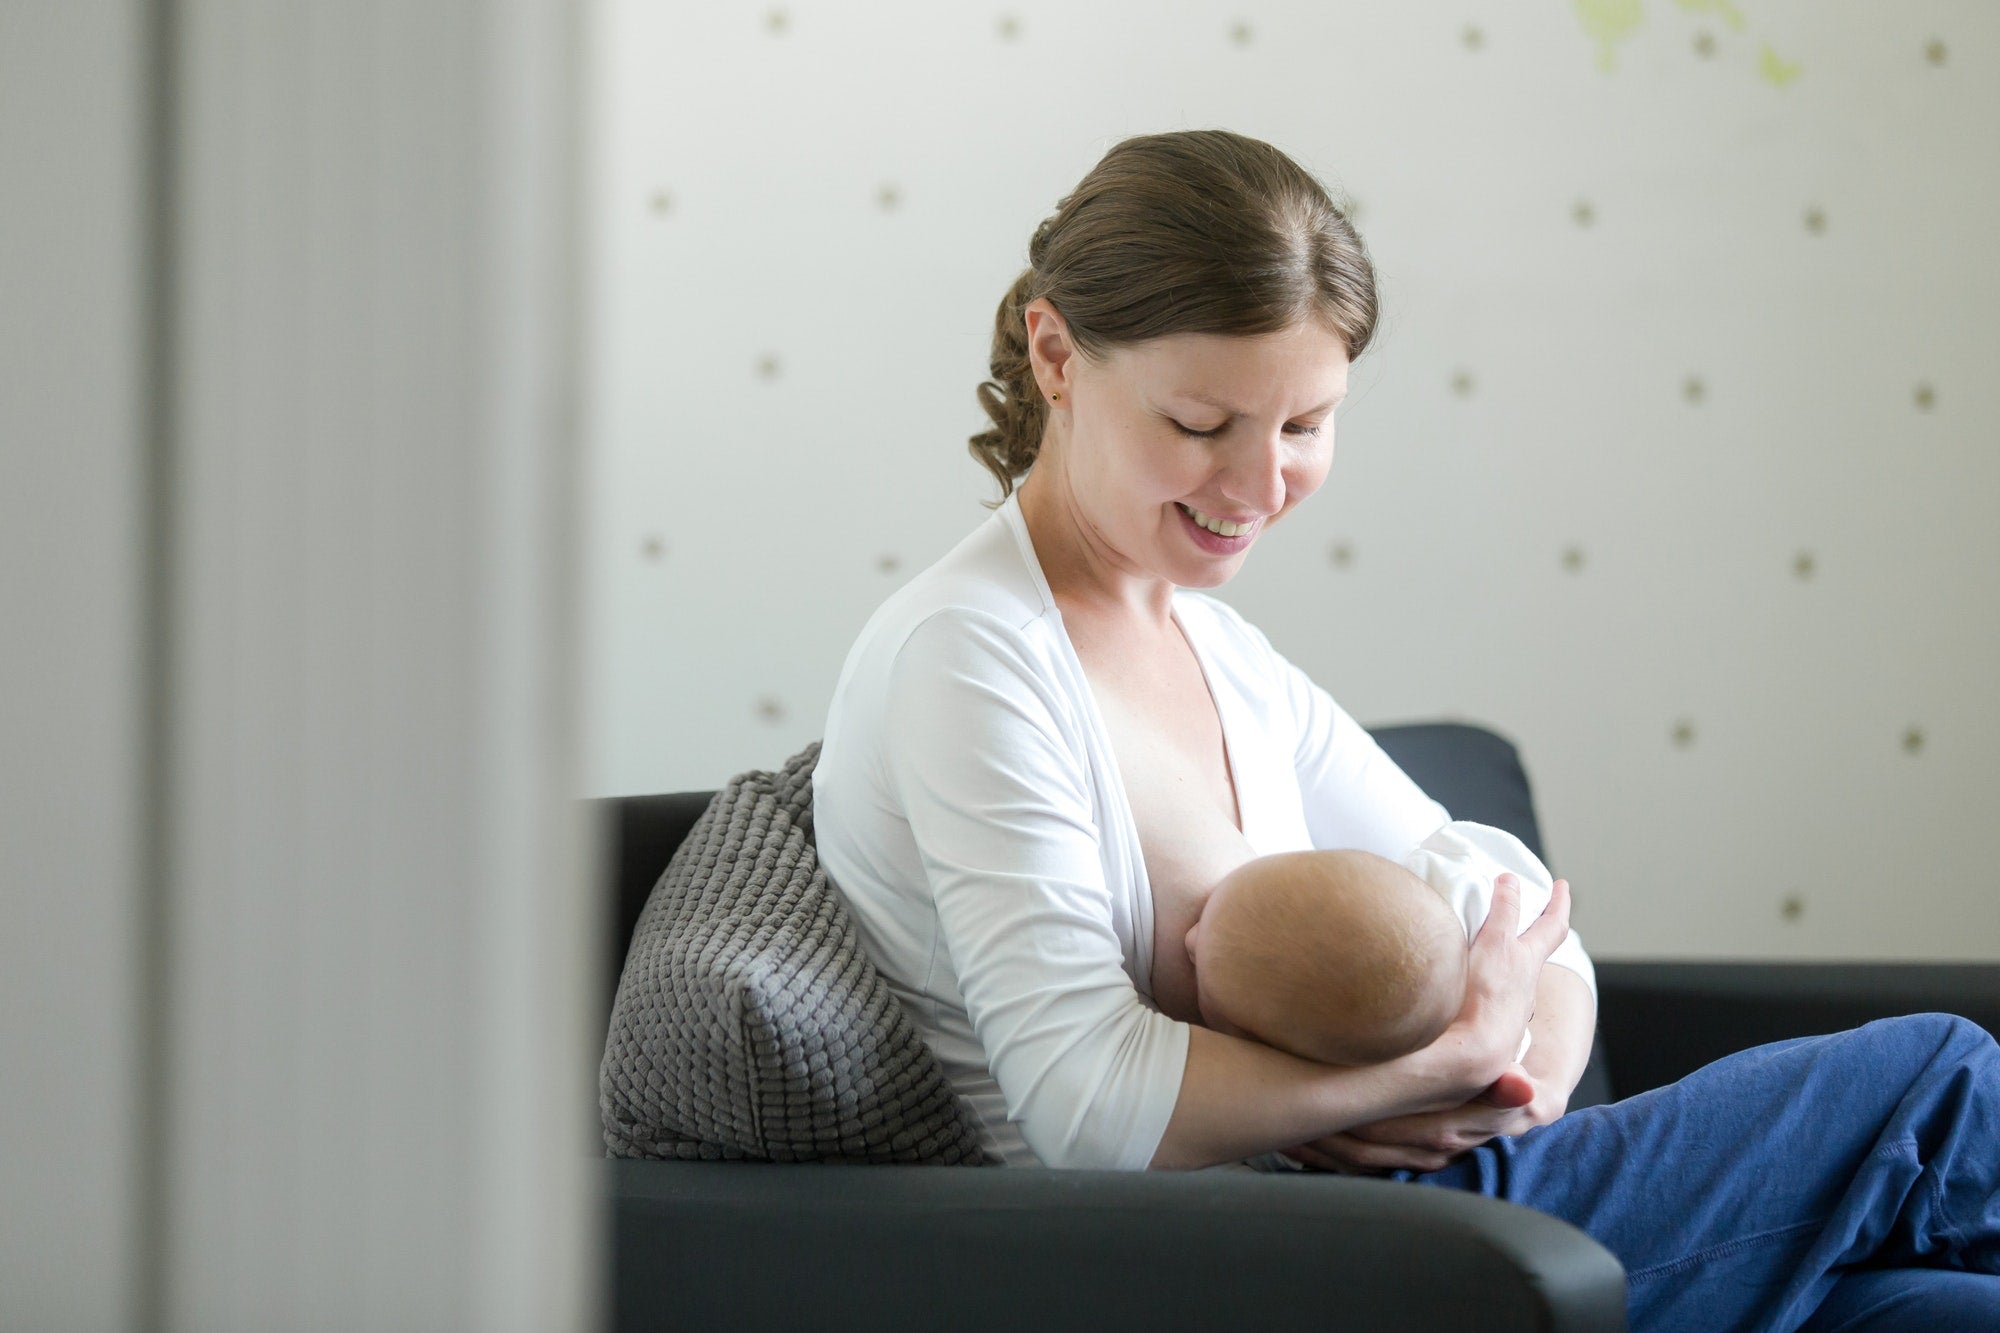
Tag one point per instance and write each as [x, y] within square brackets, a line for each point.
[1239, 1098]
[981, 760]
[1351, 792]
[1356, 796]
[1565, 1020]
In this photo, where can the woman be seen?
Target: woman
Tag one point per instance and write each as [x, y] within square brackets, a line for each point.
[1042, 749]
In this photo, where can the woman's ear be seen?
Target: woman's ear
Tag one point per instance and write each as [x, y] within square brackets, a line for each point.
[1049, 347]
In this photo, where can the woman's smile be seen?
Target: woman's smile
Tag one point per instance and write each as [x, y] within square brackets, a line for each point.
[1214, 542]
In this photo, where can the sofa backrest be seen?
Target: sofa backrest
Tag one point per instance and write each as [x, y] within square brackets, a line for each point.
[640, 835]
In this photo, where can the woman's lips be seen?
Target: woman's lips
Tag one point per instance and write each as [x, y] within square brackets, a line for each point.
[1215, 543]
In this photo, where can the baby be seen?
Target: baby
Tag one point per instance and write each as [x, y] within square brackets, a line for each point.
[1349, 958]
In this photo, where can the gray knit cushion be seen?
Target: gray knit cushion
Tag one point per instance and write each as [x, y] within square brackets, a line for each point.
[749, 1023]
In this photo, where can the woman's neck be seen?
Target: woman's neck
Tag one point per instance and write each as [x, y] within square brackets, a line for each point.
[1084, 574]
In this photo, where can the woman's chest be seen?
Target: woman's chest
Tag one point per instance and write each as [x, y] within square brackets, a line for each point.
[1167, 737]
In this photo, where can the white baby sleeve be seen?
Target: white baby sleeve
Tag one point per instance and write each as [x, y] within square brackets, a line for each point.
[1461, 861]
[998, 803]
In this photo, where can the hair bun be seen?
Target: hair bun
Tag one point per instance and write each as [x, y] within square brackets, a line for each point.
[1038, 245]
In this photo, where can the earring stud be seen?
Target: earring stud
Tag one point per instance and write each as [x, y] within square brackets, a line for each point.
[1057, 396]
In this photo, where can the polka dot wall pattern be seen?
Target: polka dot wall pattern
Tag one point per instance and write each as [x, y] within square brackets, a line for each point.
[1651, 461]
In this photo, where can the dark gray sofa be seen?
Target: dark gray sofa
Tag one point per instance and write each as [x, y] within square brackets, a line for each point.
[753, 1246]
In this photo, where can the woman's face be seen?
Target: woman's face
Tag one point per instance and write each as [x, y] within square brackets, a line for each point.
[1140, 477]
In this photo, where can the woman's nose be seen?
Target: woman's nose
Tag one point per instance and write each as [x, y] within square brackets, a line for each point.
[1256, 478]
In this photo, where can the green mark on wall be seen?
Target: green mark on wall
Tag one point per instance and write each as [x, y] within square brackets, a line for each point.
[1609, 22]
[1774, 71]
[1722, 9]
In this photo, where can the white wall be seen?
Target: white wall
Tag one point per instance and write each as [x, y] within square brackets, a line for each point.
[1790, 203]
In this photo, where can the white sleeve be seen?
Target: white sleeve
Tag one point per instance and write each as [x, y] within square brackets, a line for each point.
[1461, 860]
[999, 806]
[1354, 794]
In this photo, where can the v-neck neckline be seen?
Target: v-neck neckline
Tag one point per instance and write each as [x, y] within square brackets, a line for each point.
[1221, 717]
[1018, 522]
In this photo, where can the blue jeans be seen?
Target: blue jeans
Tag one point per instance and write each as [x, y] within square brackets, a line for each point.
[1843, 1182]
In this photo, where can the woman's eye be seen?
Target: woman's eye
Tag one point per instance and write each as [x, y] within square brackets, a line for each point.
[1211, 434]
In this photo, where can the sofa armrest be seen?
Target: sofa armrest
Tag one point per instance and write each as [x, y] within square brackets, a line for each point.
[751, 1246]
[1660, 1021]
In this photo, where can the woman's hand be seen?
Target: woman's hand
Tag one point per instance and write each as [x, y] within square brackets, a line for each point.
[1503, 970]
[1514, 1104]
[1502, 976]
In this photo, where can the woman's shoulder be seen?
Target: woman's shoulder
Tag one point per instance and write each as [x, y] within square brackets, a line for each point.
[971, 632]
[979, 609]
[982, 580]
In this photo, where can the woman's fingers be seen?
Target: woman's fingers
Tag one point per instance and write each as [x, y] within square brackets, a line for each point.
[1449, 1131]
[1423, 1142]
[1496, 957]
[1313, 1157]
[1503, 918]
[1552, 926]
[1514, 1088]
[1346, 1152]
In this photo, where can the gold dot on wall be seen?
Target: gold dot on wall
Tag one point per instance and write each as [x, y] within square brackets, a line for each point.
[1925, 397]
[768, 366]
[1815, 220]
[1240, 34]
[889, 563]
[1009, 27]
[654, 548]
[1472, 37]
[1461, 383]
[1913, 740]
[1583, 213]
[662, 202]
[1693, 389]
[1704, 44]
[1572, 559]
[771, 708]
[777, 20]
[888, 197]
[1683, 733]
[1934, 51]
[1340, 554]
[1793, 907]
[1803, 565]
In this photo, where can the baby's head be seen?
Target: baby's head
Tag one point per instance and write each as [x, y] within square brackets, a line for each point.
[1343, 957]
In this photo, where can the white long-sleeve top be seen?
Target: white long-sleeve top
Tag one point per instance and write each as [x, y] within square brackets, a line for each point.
[968, 805]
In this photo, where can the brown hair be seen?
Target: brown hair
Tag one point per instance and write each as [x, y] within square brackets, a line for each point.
[1197, 231]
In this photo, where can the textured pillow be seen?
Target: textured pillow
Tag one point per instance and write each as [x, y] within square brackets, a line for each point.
[748, 1021]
